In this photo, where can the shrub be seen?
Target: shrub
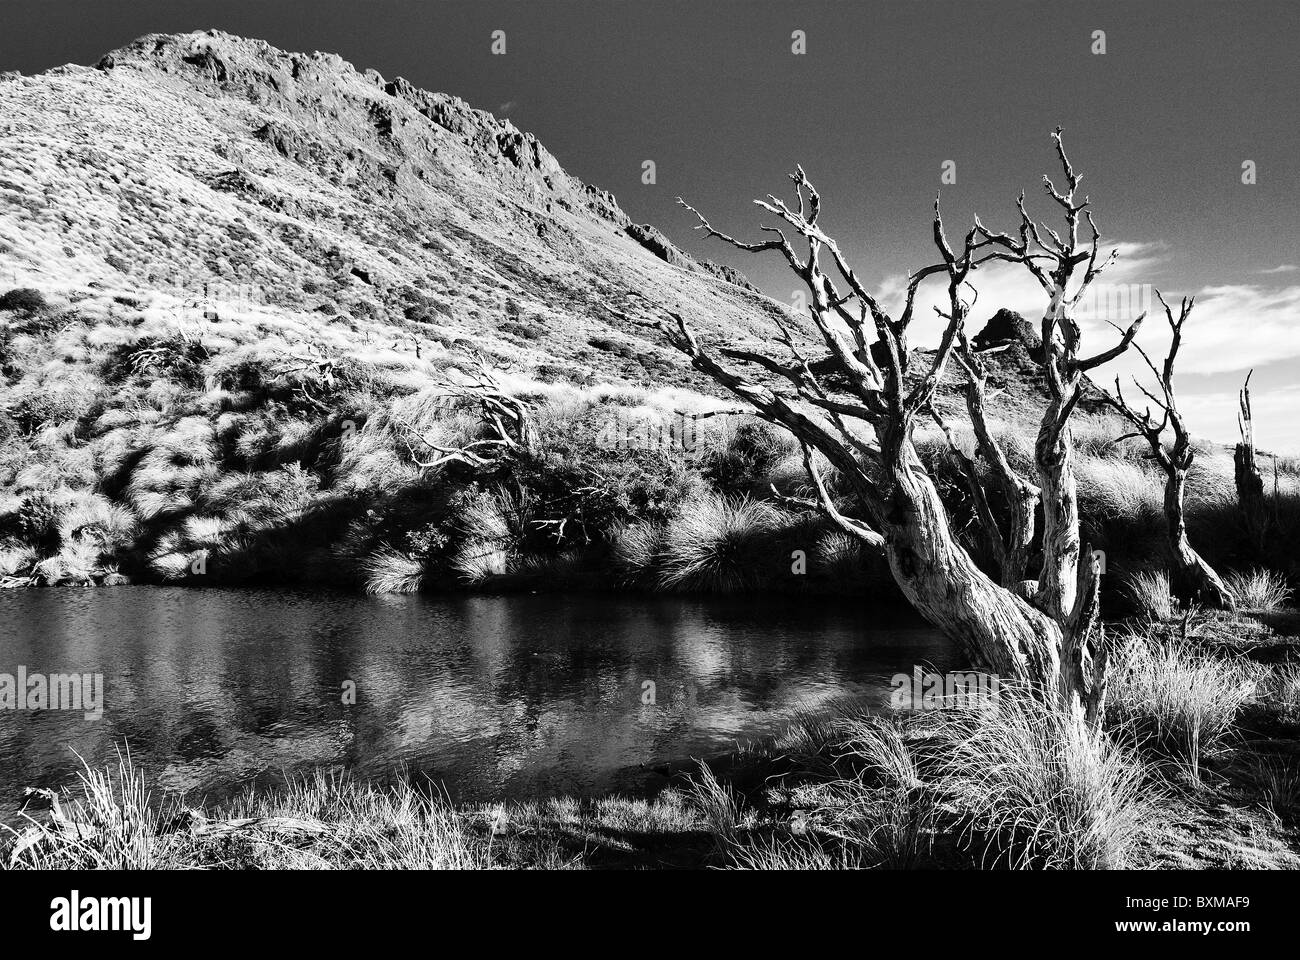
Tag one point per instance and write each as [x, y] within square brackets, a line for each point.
[36, 522]
[523, 331]
[177, 357]
[23, 300]
[745, 458]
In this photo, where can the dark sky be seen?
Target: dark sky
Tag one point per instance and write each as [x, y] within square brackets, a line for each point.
[886, 93]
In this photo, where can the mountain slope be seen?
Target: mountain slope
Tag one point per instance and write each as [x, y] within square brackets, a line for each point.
[295, 183]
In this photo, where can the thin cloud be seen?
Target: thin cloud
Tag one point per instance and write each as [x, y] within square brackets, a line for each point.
[1233, 327]
[1280, 268]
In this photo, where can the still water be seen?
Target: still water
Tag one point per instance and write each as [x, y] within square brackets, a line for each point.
[493, 696]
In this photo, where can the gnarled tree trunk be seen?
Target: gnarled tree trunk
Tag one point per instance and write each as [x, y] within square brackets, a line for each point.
[994, 626]
[1191, 579]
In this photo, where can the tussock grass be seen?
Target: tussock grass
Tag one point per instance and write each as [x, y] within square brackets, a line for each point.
[885, 810]
[16, 561]
[1110, 488]
[324, 821]
[492, 527]
[774, 852]
[76, 564]
[113, 525]
[1150, 595]
[1044, 790]
[1259, 589]
[1287, 679]
[1278, 691]
[635, 550]
[1278, 782]
[388, 570]
[716, 804]
[106, 822]
[1180, 702]
[718, 544]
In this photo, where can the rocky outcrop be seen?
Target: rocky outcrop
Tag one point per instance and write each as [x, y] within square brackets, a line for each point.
[1006, 326]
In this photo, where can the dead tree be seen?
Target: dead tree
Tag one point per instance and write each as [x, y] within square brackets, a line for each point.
[1250, 482]
[507, 419]
[1192, 579]
[1045, 633]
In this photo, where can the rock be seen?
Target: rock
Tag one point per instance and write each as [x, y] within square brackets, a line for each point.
[654, 241]
[1006, 326]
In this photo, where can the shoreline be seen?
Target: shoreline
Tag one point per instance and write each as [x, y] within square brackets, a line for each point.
[842, 789]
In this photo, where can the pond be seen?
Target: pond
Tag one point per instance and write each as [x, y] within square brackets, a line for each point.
[493, 696]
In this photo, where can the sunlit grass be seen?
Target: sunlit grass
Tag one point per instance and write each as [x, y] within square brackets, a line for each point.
[1176, 699]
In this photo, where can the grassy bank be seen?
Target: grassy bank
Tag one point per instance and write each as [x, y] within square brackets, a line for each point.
[266, 449]
[1196, 767]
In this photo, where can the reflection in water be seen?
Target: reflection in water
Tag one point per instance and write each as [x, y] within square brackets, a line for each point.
[493, 696]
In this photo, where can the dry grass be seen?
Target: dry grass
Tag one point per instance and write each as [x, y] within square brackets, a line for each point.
[718, 544]
[1149, 593]
[110, 821]
[1043, 789]
[1260, 590]
[387, 570]
[1178, 701]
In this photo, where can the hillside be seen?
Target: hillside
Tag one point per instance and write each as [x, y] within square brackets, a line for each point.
[295, 185]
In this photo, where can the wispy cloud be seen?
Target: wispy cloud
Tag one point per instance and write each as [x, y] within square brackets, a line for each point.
[1005, 285]
[1232, 329]
[1280, 268]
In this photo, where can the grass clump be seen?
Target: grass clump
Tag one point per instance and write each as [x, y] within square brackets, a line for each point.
[109, 820]
[1149, 594]
[717, 544]
[1042, 789]
[388, 570]
[1260, 590]
[23, 300]
[1179, 701]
